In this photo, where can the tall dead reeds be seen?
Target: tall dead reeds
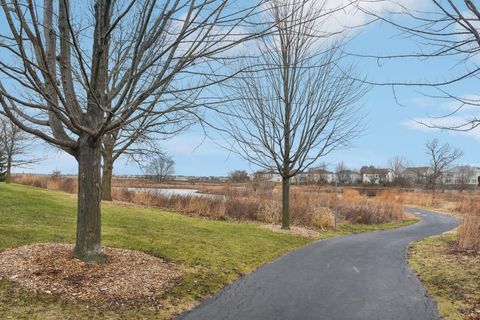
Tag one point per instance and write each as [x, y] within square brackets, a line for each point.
[311, 206]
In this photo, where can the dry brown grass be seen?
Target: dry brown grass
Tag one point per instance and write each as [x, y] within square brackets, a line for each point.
[469, 230]
[53, 182]
[310, 206]
[205, 206]
[386, 206]
[463, 204]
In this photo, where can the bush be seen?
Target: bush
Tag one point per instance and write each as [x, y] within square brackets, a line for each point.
[469, 230]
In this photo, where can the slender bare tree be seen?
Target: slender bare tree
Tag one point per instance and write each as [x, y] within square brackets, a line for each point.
[398, 166]
[160, 167]
[341, 173]
[465, 174]
[3, 165]
[138, 143]
[293, 105]
[441, 157]
[74, 71]
[16, 145]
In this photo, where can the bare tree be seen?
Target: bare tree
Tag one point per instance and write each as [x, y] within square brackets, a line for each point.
[465, 174]
[441, 157]
[320, 174]
[3, 165]
[341, 173]
[160, 167]
[398, 166]
[69, 79]
[294, 105]
[138, 143]
[238, 176]
[15, 144]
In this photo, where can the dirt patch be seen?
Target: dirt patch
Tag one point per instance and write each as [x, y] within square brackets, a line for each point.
[294, 230]
[128, 278]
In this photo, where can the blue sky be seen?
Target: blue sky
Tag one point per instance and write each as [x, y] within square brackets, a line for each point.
[390, 126]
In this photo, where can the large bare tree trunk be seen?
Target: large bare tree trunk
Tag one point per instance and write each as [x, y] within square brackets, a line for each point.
[88, 245]
[69, 96]
[107, 169]
[285, 203]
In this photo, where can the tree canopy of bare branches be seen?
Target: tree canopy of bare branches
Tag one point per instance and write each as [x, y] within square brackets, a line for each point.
[440, 158]
[342, 176]
[398, 166]
[238, 176]
[139, 142]
[465, 173]
[73, 72]
[293, 105]
[160, 167]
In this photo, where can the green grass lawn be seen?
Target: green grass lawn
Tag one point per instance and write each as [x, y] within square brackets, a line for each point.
[214, 252]
[452, 278]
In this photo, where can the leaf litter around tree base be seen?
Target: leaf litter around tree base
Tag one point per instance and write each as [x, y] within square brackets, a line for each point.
[129, 278]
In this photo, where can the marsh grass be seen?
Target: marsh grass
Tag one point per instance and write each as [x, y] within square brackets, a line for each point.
[311, 206]
[465, 205]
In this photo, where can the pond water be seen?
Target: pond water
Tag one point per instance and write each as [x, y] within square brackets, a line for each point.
[172, 192]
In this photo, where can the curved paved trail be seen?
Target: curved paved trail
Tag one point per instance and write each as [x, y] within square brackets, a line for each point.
[361, 276]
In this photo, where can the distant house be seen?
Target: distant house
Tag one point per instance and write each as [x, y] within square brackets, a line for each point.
[348, 177]
[267, 175]
[417, 175]
[302, 178]
[179, 178]
[320, 175]
[372, 175]
[222, 179]
[465, 175]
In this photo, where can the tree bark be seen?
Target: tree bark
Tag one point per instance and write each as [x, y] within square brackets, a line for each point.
[107, 179]
[88, 241]
[286, 203]
[8, 173]
[107, 170]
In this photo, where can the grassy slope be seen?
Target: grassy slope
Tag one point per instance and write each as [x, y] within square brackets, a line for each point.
[214, 252]
[451, 278]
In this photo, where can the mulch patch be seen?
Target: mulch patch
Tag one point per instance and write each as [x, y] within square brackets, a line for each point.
[129, 278]
[294, 230]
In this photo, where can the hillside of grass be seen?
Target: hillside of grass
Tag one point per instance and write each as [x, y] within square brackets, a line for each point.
[214, 253]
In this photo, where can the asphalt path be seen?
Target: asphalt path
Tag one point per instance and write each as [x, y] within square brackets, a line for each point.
[363, 276]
